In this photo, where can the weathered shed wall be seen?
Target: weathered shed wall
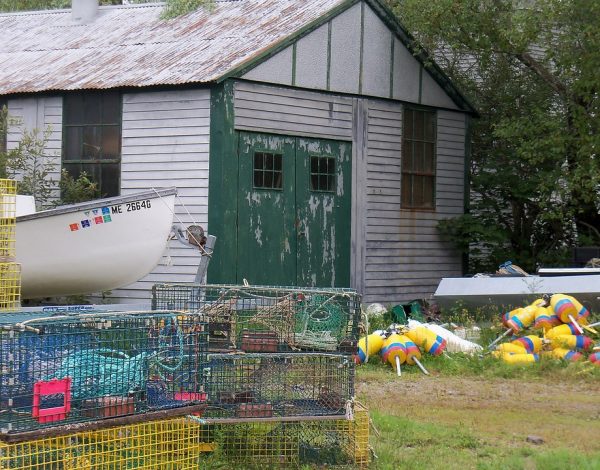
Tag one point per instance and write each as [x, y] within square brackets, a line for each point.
[165, 139]
[165, 143]
[397, 255]
[41, 117]
[405, 255]
[355, 52]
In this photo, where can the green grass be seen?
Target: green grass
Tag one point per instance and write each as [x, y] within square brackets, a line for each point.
[406, 443]
[475, 412]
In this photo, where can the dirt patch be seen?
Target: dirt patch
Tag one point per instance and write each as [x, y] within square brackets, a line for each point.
[563, 414]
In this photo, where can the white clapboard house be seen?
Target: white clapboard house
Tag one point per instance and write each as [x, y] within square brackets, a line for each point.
[306, 135]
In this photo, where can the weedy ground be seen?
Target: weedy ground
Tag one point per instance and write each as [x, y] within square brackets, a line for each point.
[477, 413]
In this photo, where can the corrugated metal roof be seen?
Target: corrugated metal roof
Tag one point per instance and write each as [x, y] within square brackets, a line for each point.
[132, 46]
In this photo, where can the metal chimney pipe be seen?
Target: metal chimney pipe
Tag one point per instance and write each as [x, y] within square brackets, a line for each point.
[83, 11]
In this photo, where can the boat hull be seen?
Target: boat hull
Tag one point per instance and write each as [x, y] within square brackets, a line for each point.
[516, 291]
[93, 246]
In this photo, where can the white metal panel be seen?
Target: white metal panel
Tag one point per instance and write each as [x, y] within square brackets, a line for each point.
[406, 74]
[432, 93]
[165, 143]
[311, 59]
[278, 69]
[345, 51]
[377, 56]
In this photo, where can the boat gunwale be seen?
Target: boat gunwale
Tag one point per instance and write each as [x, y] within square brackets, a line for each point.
[148, 194]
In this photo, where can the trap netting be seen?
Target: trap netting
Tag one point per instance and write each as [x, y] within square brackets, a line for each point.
[266, 385]
[188, 443]
[66, 369]
[269, 319]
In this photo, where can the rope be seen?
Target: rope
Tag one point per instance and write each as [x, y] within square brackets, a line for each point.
[202, 250]
[100, 372]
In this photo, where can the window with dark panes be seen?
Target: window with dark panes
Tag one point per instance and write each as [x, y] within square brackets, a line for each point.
[268, 173]
[418, 159]
[92, 138]
[322, 173]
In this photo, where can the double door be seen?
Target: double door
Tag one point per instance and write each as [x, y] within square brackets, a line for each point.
[294, 211]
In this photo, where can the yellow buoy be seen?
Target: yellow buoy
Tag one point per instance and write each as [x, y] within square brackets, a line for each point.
[564, 354]
[520, 358]
[368, 347]
[510, 348]
[571, 342]
[531, 343]
[428, 340]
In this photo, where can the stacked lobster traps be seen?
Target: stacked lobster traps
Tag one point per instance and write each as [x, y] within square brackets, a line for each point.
[213, 376]
[280, 372]
[10, 270]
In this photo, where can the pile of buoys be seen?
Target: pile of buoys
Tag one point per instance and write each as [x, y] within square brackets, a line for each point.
[398, 346]
[560, 318]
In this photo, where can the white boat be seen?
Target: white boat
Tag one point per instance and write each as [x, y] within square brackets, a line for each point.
[517, 291]
[93, 246]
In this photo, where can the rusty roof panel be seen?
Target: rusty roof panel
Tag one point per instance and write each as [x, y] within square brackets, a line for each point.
[132, 46]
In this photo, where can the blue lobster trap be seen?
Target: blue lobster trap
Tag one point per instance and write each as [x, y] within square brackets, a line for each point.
[64, 369]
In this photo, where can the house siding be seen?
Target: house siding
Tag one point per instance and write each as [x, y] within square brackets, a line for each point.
[165, 143]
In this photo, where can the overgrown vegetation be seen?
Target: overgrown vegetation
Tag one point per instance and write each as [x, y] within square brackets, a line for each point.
[172, 8]
[530, 68]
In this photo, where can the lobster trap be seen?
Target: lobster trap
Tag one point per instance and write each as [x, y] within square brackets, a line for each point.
[187, 443]
[291, 443]
[278, 385]
[269, 319]
[166, 444]
[10, 287]
[81, 368]
[8, 218]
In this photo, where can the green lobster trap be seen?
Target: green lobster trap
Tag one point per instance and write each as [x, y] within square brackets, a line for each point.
[278, 385]
[269, 319]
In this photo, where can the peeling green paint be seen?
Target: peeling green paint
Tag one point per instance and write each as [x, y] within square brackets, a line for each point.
[223, 184]
[294, 235]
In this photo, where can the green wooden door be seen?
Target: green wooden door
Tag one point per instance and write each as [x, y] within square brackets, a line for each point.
[293, 211]
[323, 181]
[266, 210]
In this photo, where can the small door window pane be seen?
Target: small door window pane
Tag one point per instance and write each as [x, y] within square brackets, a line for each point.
[322, 173]
[267, 172]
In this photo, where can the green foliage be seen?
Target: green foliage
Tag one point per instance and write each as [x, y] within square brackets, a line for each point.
[78, 189]
[174, 8]
[532, 74]
[28, 162]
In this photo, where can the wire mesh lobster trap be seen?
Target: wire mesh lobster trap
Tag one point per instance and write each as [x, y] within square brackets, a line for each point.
[186, 443]
[165, 444]
[278, 385]
[290, 443]
[66, 369]
[269, 319]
